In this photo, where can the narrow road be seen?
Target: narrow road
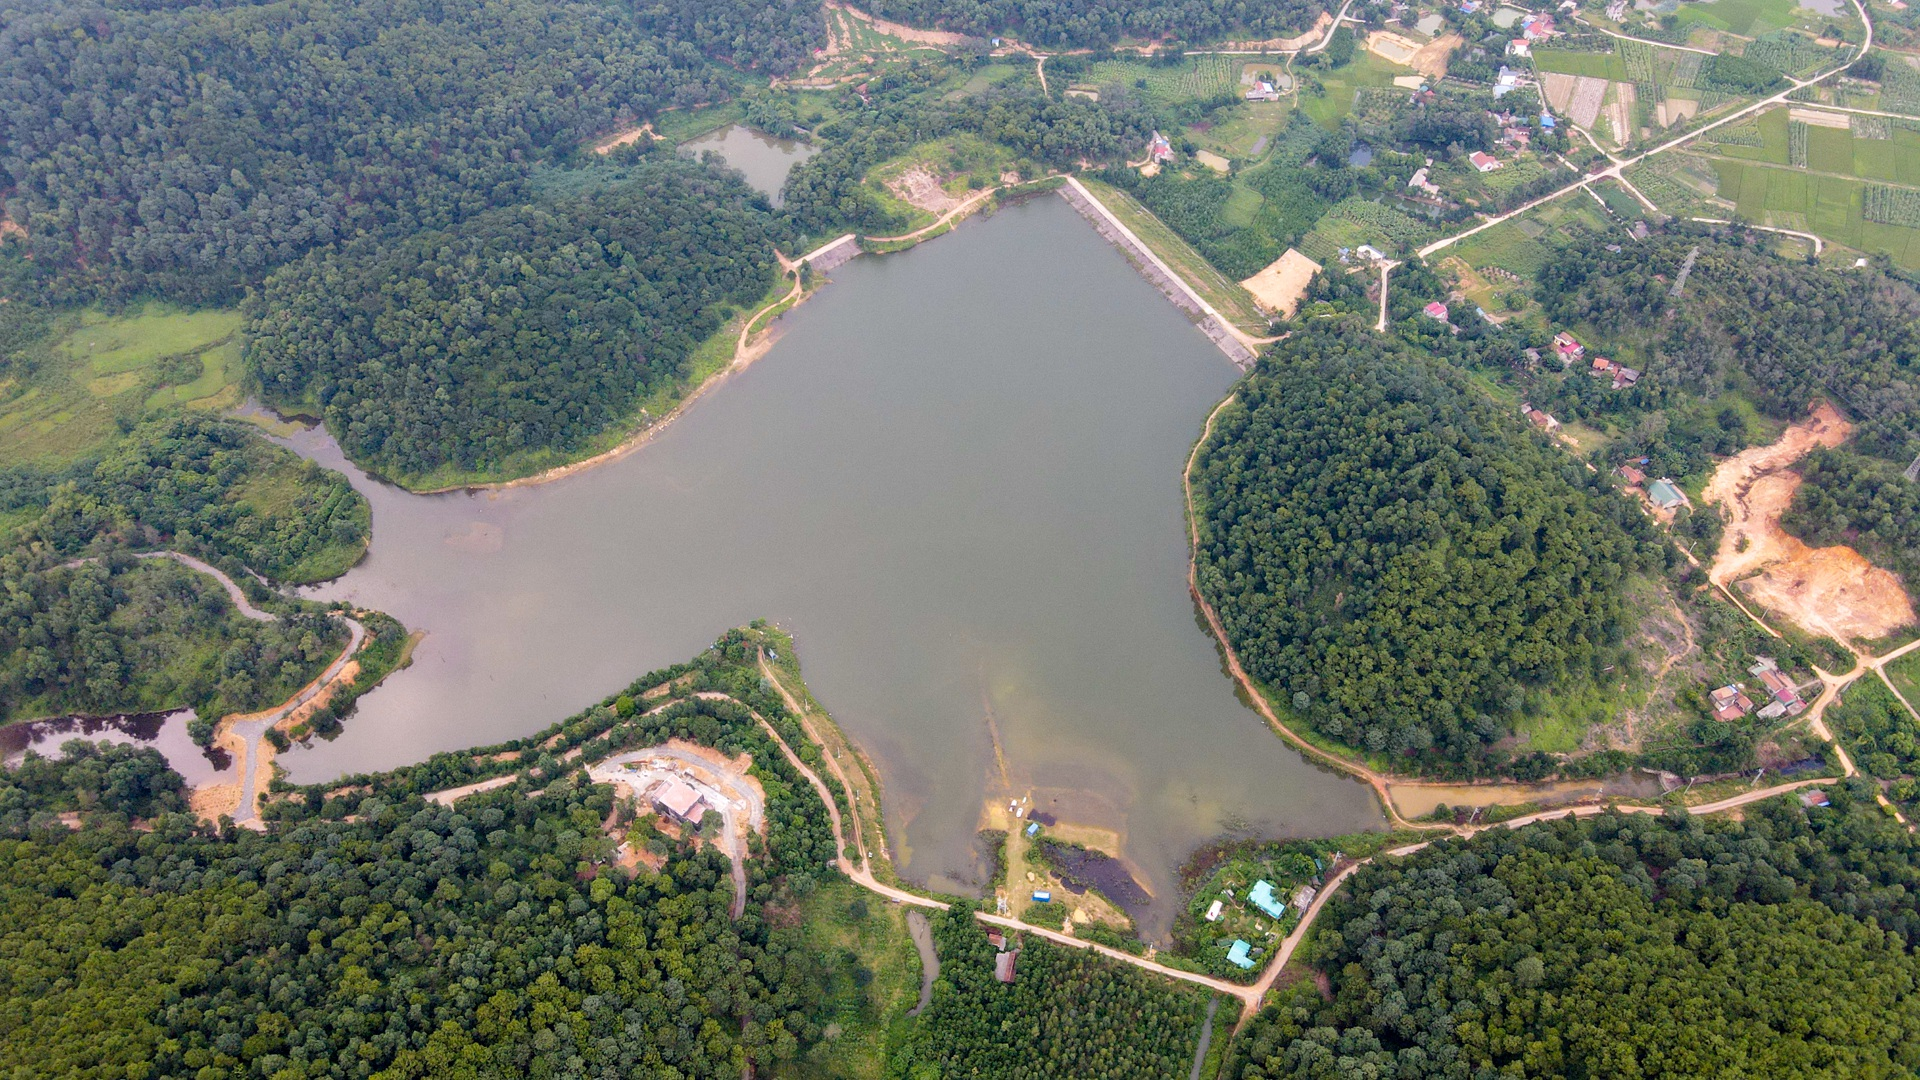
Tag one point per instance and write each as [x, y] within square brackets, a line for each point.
[1616, 169]
[1206, 1038]
[252, 728]
[1337, 20]
[1818, 244]
[1645, 41]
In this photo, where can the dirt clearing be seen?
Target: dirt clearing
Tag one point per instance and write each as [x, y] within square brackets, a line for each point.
[918, 187]
[623, 138]
[1832, 590]
[1431, 59]
[1283, 283]
[1588, 93]
[1820, 118]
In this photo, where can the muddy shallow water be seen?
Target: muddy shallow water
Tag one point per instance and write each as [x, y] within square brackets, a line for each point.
[956, 480]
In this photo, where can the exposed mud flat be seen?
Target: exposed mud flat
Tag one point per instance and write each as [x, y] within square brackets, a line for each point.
[1831, 590]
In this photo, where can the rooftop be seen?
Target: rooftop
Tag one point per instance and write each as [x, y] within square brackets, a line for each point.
[1240, 955]
[1262, 897]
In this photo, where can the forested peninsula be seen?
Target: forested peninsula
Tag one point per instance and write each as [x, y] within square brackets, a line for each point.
[86, 627]
[525, 329]
[1394, 557]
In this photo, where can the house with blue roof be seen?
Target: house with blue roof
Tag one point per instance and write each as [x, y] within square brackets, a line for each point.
[1262, 897]
[1240, 955]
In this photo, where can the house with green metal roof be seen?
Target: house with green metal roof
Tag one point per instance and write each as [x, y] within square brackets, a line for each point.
[1240, 955]
[1262, 897]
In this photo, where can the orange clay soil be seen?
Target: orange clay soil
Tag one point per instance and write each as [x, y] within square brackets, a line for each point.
[1832, 590]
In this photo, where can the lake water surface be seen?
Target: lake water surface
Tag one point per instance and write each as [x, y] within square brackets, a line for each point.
[956, 481]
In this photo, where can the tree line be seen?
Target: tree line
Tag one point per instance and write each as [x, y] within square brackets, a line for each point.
[1780, 945]
[1101, 24]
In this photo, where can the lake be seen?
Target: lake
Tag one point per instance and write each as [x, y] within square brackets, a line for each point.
[764, 160]
[956, 481]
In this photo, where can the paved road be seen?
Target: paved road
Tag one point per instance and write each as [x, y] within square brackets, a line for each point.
[1616, 169]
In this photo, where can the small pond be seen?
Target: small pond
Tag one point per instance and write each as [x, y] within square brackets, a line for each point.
[763, 159]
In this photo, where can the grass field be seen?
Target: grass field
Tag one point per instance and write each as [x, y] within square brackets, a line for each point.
[1905, 673]
[98, 371]
[875, 979]
[1748, 18]
[1227, 297]
[1196, 78]
[1249, 131]
[1594, 65]
[1335, 101]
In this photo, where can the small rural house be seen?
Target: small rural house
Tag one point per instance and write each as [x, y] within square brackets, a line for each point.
[1003, 966]
[1814, 797]
[1538, 418]
[1436, 310]
[1159, 149]
[1303, 897]
[1729, 703]
[1263, 91]
[678, 799]
[1631, 475]
[1663, 494]
[1778, 686]
[1240, 955]
[1213, 910]
[1042, 896]
[1262, 897]
[1484, 161]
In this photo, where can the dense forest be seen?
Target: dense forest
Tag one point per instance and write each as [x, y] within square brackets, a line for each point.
[1401, 559]
[144, 635]
[530, 327]
[121, 634]
[1068, 1012]
[1102, 23]
[380, 934]
[1780, 945]
[188, 148]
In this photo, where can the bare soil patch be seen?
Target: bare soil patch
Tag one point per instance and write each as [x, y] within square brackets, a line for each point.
[1283, 283]
[1431, 59]
[921, 189]
[1832, 590]
[1588, 93]
[625, 137]
[937, 38]
[1621, 112]
[1292, 44]
[1820, 118]
[1559, 89]
[1393, 47]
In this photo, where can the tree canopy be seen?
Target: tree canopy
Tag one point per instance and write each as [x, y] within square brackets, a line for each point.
[189, 148]
[526, 328]
[1395, 555]
[1101, 23]
[1622, 945]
